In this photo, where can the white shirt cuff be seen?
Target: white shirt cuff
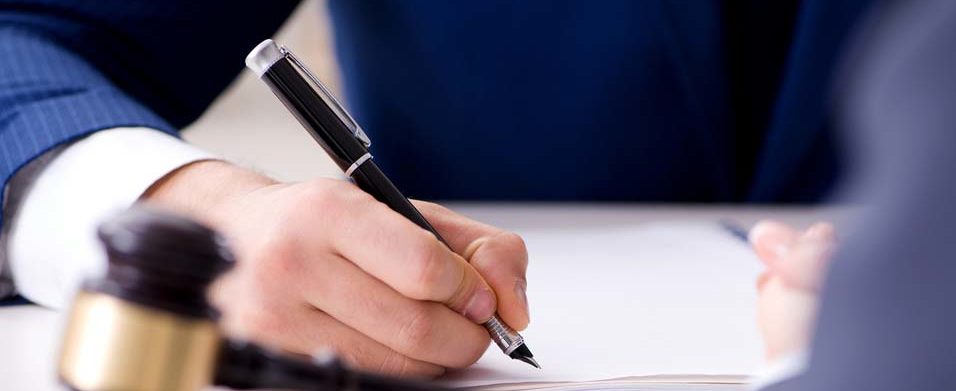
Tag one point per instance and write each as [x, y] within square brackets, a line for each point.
[779, 370]
[52, 243]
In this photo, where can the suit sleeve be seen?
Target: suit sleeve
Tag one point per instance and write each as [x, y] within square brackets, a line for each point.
[71, 68]
[66, 196]
[887, 317]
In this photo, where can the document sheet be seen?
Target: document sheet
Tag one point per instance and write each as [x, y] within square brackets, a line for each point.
[653, 307]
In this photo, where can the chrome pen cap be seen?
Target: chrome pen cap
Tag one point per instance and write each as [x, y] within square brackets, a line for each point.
[261, 58]
[267, 53]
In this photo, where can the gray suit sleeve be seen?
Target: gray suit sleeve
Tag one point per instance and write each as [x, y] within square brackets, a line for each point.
[888, 319]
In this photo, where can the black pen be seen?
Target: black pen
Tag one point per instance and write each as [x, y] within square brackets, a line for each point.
[735, 229]
[345, 142]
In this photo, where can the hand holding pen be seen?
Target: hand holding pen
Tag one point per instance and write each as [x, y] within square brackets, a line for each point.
[788, 289]
[331, 126]
[323, 265]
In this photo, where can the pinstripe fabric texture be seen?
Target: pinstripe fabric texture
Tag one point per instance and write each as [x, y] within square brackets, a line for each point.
[49, 96]
[69, 68]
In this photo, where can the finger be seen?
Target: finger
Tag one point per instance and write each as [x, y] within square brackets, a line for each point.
[305, 330]
[771, 240]
[500, 257]
[804, 264]
[410, 259]
[362, 352]
[762, 280]
[821, 231]
[785, 316]
[425, 331]
[284, 321]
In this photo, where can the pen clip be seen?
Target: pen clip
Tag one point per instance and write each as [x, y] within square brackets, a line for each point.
[329, 99]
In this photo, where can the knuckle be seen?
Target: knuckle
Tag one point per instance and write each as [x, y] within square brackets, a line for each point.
[321, 193]
[275, 268]
[476, 350]
[507, 247]
[514, 243]
[473, 345]
[393, 364]
[279, 244]
[357, 355]
[429, 267]
[414, 334]
[277, 259]
[329, 199]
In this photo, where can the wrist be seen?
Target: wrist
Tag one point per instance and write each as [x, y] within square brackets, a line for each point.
[205, 190]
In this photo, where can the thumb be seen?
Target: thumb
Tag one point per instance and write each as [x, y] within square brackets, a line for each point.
[471, 296]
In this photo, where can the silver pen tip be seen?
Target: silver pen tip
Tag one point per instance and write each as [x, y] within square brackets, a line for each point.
[530, 361]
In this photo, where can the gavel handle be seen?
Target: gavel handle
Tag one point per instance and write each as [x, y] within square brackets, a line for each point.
[244, 365]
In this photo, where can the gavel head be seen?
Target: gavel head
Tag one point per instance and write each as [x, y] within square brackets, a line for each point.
[147, 325]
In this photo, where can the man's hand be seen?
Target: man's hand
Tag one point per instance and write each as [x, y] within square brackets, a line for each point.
[323, 265]
[796, 263]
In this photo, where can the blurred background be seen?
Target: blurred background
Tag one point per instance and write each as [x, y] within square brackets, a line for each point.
[247, 116]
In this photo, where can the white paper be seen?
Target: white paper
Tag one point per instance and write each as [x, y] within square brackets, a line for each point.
[674, 300]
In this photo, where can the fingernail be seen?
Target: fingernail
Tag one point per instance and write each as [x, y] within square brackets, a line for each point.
[481, 306]
[756, 232]
[770, 234]
[521, 291]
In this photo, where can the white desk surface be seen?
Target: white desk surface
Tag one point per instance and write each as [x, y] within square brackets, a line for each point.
[29, 335]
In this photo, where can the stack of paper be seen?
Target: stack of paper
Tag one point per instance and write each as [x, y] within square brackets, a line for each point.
[657, 307]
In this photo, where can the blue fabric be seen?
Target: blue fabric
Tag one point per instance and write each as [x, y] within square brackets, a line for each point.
[69, 68]
[50, 95]
[530, 100]
[610, 100]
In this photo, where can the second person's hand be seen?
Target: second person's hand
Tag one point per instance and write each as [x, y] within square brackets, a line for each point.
[323, 265]
[788, 290]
